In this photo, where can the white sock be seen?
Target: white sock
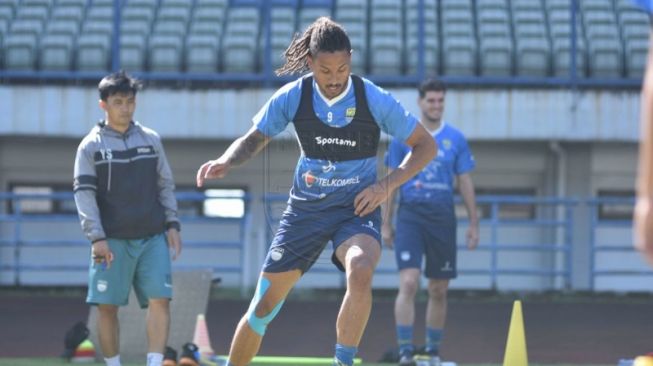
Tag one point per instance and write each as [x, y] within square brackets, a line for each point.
[154, 359]
[113, 361]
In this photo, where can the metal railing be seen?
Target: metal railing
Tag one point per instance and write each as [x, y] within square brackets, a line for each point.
[560, 225]
[17, 236]
[619, 243]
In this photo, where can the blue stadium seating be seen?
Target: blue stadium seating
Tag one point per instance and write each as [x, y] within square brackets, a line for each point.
[502, 38]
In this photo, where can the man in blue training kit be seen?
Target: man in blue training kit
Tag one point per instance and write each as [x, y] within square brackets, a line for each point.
[335, 194]
[426, 223]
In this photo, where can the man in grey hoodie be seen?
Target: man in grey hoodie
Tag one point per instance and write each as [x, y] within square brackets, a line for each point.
[124, 192]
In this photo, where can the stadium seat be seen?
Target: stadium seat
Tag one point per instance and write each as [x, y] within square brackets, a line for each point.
[62, 27]
[636, 51]
[212, 3]
[206, 28]
[495, 56]
[605, 58]
[459, 56]
[431, 42]
[169, 27]
[4, 27]
[532, 56]
[282, 28]
[33, 27]
[20, 51]
[56, 52]
[431, 56]
[6, 12]
[165, 53]
[99, 13]
[563, 5]
[491, 4]
[201, 53]
[534, 6]
[93, 52]
[73, 13]
[307, 15]
[561, 56]
[239, 54]
[173, 13]
[77, 3]
[133, 13]
[447, 5]
[596, 5]
[385, 55]
[132, 52]
[104, 27]
[38, 13]
[463, 29]
[135, 27]
[209, 14]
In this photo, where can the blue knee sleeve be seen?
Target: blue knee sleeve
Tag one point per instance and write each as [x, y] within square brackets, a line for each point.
[260, 324]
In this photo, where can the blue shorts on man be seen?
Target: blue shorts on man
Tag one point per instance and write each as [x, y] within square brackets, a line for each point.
[143, 263]
[303, 234]
[427, 231]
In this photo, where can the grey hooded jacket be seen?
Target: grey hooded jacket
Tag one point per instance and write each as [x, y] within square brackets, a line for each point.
[123, 184]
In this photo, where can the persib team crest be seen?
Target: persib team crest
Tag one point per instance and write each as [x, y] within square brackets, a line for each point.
[350, 113]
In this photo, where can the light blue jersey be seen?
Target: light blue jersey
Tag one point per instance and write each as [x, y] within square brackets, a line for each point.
[325, 182]
[434, 184]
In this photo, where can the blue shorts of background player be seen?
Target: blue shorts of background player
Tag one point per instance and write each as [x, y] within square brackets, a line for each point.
[426, 231]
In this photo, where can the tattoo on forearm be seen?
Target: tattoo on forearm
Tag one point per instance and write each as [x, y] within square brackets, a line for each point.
[246, 147]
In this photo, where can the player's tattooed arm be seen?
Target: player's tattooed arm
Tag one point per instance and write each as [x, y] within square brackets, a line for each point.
[245, 147]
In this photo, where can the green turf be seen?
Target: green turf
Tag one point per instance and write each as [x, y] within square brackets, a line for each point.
[59, 362]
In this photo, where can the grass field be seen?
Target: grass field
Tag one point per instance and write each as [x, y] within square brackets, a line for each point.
[58, 361]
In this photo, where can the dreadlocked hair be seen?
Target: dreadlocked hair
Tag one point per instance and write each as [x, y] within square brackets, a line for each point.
[324, 35]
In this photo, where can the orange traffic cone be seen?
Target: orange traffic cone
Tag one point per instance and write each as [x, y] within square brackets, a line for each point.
[201, 338]
[85, 353]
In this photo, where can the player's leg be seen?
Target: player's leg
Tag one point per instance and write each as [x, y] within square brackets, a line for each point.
[107, 326]
[357, 244]
[409, 251]
[153, 288]
[360, 255]
[109, 288]
[436, 314]
[405, 311]
[271, 292]
[158, 325]
[440, 269]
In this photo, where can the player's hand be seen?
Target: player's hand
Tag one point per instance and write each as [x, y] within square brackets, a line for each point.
[472, 236]
[101, 252]
[174, 242]
[388, 235]
[643, 222]
[212, 169]
[370, 198]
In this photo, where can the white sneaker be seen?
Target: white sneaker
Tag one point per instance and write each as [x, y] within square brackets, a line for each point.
[434, 361]
[423, 360]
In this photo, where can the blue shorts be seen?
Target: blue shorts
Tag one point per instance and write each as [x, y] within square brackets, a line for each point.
[303, 234]
[426, 231]
[143, 263]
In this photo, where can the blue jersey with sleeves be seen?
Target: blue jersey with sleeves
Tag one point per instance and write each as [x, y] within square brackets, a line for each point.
[326, 183]
[434, 184]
